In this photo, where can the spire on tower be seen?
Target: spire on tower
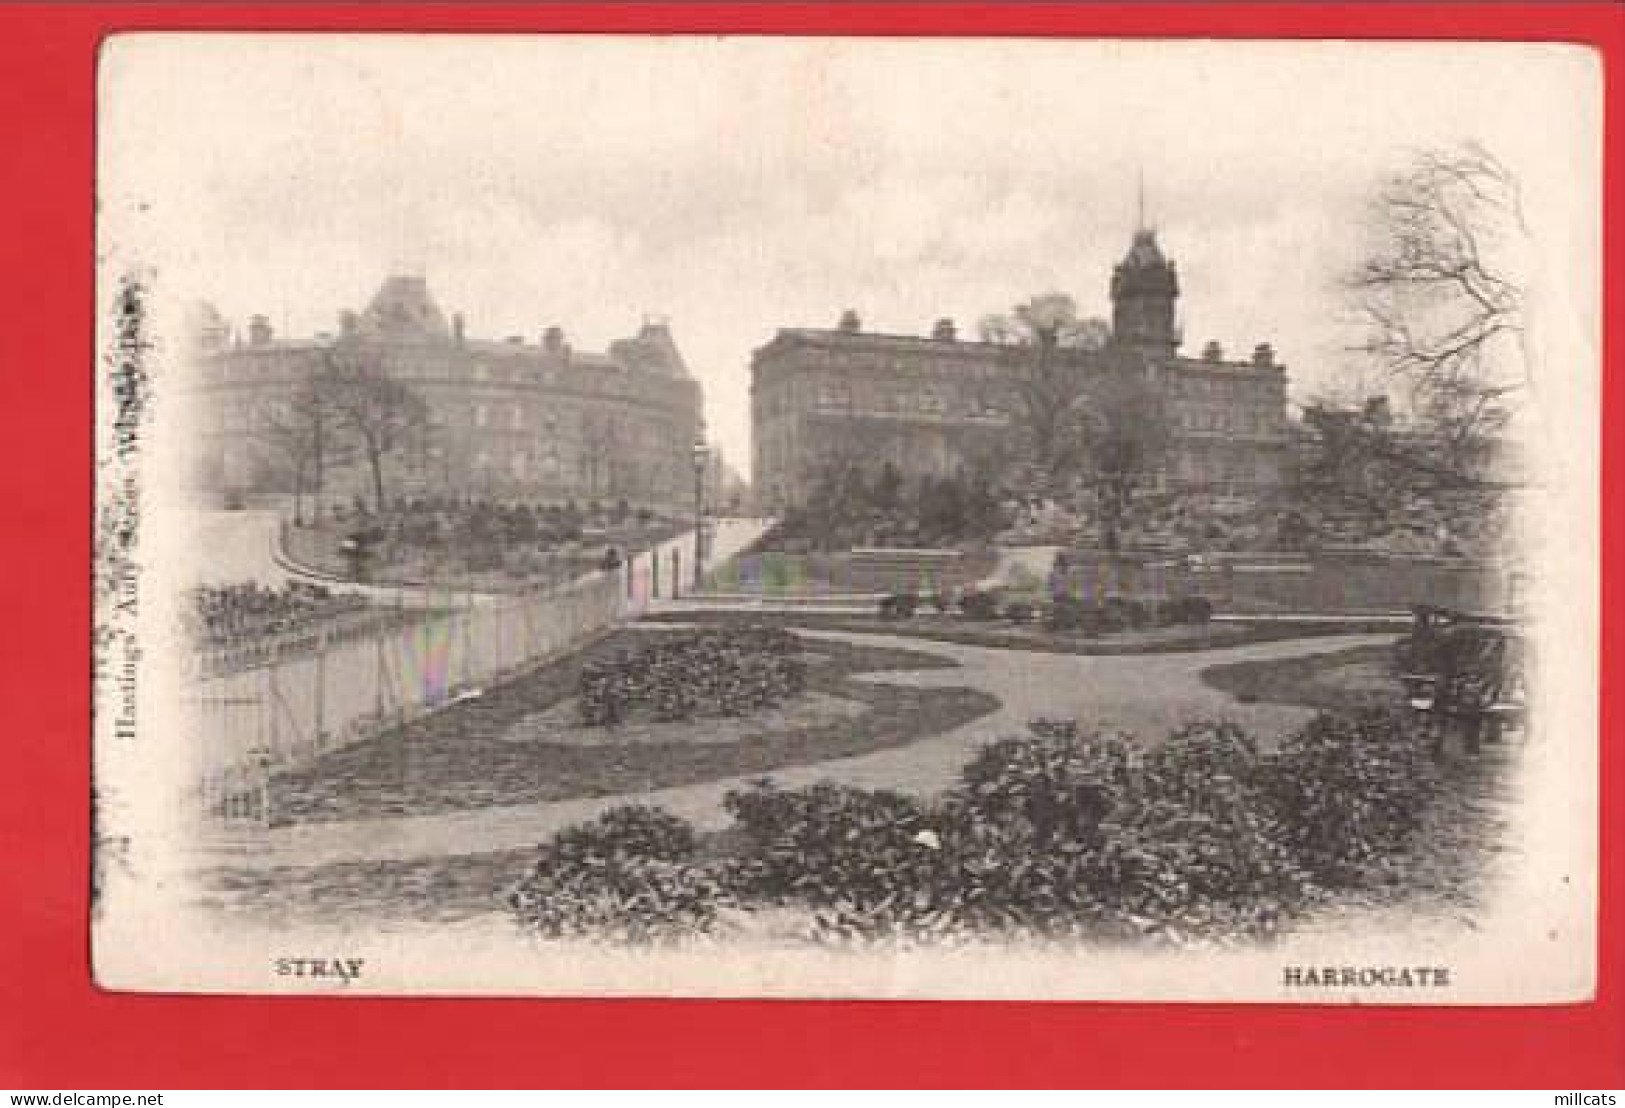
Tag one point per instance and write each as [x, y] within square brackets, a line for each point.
[1139, 218]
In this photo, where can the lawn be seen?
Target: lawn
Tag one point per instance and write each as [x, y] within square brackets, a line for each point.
[1358, 677]
[489, 751]
[1001, 634]
[426, 890]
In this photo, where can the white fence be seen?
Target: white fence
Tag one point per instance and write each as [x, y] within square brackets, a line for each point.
[282, 702]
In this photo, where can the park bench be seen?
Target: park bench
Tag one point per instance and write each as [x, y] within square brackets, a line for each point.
[1463, 673]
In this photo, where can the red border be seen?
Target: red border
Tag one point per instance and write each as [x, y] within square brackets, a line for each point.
[57, 1031]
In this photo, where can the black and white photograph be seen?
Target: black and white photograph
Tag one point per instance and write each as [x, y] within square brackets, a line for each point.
[819, 517]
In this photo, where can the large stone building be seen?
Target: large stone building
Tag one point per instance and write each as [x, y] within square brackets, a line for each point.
[939, 403]
[515, 420]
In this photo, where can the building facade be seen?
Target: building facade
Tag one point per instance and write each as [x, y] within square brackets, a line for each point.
[512, 420]
[939, 404]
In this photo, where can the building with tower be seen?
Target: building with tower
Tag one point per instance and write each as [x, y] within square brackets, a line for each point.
[938, 403]
[515, 419]
[1145, 289]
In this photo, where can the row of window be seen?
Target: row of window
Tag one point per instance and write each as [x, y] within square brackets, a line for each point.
[1218, 386]
[513, 417]
[1244, 421]
[838, 398]
[548, 466]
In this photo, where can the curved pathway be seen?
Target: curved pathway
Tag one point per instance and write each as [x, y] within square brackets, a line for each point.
[1147, 693]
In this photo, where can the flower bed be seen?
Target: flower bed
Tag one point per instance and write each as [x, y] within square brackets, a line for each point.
[700, 673]
[1061, 614]
[492, 750]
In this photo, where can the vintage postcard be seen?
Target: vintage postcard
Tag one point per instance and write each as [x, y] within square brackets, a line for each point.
[961, 518]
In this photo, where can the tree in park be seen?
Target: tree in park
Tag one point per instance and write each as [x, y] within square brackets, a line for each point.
[1441, 305]
[1049, 394]
[887, 491]
[384, 416]
[839, 497]
[307, 431]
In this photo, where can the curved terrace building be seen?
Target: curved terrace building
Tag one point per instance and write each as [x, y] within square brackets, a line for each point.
[516, 420]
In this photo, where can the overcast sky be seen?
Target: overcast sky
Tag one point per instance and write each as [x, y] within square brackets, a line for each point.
[740, 185]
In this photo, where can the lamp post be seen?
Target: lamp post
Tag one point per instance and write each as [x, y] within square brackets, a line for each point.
[702, 455]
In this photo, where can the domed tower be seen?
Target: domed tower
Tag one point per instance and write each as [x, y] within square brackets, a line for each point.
[1145, 286]
[402, 310]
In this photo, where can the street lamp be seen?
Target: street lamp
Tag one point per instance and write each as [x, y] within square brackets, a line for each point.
[702, 455]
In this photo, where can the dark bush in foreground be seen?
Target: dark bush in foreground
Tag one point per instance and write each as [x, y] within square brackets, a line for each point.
[1054, 785]
[840, 850]
[1053, 834]
[629, 875]
[1348, 790]
[1172, 870]
[629, 831]
[870, 864]
[1202, 764]
[1195, 852]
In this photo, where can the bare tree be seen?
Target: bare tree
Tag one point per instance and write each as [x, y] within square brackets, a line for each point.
[384, 415]
[306, 431]
[1442, 308]
[1048, 314]
[601, 453]
[1049, 391]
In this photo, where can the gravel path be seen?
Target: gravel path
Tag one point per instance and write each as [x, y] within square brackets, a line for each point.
[1147, 694]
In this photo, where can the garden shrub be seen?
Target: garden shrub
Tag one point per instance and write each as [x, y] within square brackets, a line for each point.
[898, 605]
[1126, 611]
[1053, 834]
[1348, 790]
[979, 604]
[630, 830]
[1020, 611]
[630, 875]
[1197, 763]
[1181, 872]
[1067, 613]
[871, 864]
[703, 673]
[859, 859]
[1195, 852]
[1054, 785]
[1193, 609]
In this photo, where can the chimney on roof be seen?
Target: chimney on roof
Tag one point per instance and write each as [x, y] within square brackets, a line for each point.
[349, 325]
[1263, 354]
[850, 323]
[1379, 411]
[259, 331]
[459, 328]
[1212, 352]
[944, 331]
[553, 340]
